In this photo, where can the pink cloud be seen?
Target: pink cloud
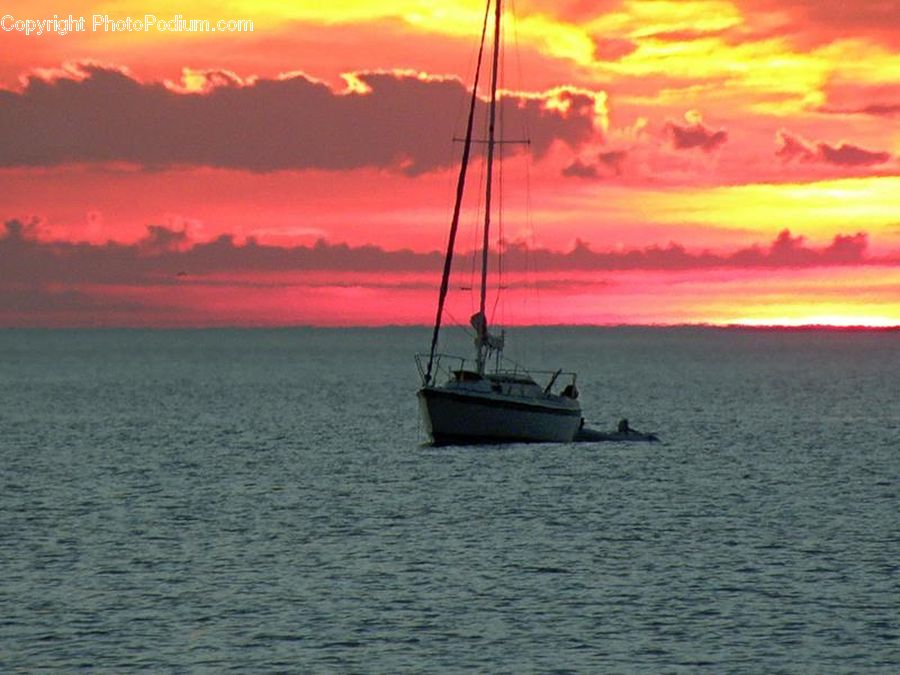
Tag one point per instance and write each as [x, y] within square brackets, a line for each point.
[695, 134]
[795, 148]
[854, 98]
[613, 49]
[820, 21]
[851, 155]
[610, 163]
[613, 160]
[577, 11]
[881, 109]
[686, 35]
[792, 147]
[580, 169]
[169, 279]
[163, 254]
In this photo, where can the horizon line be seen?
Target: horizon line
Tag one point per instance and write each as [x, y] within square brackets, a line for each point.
[734, 326]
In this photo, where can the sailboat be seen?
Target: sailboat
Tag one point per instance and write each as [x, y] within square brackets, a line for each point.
[483, 400]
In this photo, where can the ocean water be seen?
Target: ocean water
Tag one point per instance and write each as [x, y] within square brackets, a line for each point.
[261, 500]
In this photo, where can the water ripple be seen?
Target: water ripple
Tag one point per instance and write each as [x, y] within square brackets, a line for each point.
[227, 501]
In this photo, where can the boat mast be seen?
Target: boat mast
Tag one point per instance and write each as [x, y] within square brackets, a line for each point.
[483, 344]
[457, 206]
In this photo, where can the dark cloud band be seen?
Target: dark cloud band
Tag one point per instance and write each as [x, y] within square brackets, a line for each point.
[168, 256]
[395, 121]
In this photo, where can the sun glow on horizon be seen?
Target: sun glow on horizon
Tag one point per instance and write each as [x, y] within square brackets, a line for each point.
[816, 320]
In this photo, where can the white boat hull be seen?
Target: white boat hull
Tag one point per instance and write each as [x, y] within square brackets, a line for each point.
[460, 417]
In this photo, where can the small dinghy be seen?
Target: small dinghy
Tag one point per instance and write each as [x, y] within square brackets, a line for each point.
[622, 434]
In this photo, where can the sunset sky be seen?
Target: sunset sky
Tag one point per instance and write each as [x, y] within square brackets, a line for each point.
[709, 161]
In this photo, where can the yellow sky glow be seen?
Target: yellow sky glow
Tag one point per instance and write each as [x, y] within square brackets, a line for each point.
[822, 209]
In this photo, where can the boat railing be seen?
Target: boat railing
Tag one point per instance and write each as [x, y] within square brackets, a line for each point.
[448, 364]
[551, 378]
[521, 372]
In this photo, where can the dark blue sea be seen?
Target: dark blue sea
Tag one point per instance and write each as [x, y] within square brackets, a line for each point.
[262, 501]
